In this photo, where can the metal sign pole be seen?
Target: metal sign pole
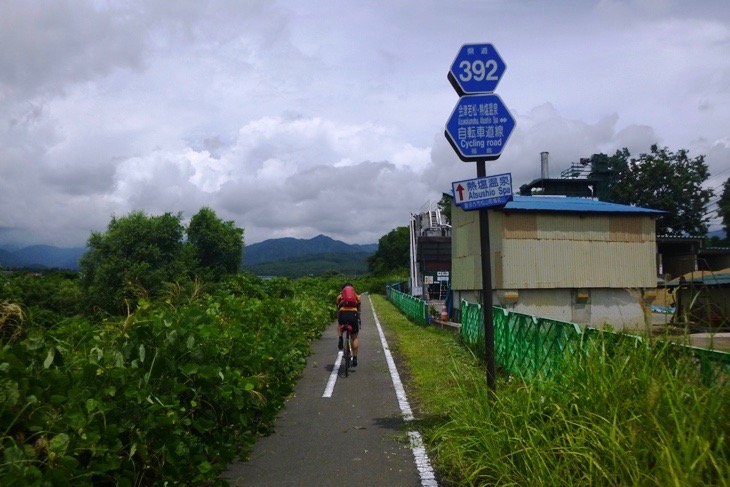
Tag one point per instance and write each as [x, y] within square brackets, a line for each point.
[487, 287]
[478, 130]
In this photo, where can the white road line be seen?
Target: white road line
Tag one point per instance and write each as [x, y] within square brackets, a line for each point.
[428, 479]
[333, 376]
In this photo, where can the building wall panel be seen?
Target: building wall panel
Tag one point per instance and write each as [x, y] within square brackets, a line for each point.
[540, 251]
[572, 227]
[571, 264]
[630, 229]
[466, 273]
[620, 308]
[519, 225]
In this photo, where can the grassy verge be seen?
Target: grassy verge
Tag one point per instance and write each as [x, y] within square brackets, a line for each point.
[613, 416]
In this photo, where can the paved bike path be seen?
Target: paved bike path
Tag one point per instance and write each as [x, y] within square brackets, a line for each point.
[356, 437]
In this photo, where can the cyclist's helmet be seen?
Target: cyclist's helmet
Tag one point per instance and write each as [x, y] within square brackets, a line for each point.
[346, 284]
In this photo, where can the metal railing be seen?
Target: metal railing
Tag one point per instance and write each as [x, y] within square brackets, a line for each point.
[524, 345]
[529, 346]
[411, 306]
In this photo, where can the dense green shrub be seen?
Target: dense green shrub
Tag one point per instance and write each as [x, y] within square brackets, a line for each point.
[55, 291]
[173, 392]
[138, 255]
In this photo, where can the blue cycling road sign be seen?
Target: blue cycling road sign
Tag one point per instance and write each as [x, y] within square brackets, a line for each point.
[479, 127]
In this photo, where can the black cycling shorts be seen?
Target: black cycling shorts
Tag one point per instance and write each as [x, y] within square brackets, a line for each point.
[349, 317]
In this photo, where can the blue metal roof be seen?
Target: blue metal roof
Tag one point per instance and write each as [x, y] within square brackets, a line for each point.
[571, 204]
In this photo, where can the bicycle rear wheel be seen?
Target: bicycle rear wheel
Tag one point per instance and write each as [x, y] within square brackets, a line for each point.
[347, 353]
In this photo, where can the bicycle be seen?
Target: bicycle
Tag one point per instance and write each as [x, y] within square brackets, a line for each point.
[347, 348]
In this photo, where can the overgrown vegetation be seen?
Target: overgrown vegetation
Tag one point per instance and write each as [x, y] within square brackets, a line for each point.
[621, 415]
[139, 254]
[172, 391]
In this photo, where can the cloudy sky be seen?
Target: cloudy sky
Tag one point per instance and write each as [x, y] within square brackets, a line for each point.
[299, 118]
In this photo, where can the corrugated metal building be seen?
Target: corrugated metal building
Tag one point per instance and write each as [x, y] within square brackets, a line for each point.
[572, 259]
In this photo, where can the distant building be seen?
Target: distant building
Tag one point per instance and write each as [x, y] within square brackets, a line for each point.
[571, 259]
[677, 256]
[575, 181]
[430, 253]
[714, 258]
[702, 298]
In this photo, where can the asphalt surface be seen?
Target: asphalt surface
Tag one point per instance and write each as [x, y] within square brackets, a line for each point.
[356, 437]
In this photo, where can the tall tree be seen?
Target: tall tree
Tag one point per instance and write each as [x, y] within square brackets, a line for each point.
[662, 180]
[135, 256]
[723, 208]
[444, 205]
[393, 252]
[217, 245]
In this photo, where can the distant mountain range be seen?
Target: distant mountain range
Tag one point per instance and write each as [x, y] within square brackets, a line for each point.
[295, 257]
[290, 248]
[41, 257]
[280, 256]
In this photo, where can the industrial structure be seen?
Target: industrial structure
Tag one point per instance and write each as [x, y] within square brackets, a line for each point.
[430, 254]
[576, 181]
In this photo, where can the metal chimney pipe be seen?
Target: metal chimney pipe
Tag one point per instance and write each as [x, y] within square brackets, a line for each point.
[544, 165]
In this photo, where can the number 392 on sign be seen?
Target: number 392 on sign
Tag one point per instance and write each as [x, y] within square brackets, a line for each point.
[476, 69]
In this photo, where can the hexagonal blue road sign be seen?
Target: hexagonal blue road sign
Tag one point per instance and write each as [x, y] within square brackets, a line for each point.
[479, 127]
[476, 69]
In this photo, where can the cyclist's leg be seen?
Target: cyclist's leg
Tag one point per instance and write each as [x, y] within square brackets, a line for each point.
[355, 339]
[347, 354]
[340, 323]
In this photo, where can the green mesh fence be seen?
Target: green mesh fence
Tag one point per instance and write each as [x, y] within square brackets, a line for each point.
[413, 307]
[529, 346]
[523, 344]
[714, 365]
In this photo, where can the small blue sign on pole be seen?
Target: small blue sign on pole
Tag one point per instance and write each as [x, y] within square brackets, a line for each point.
[472, 194]
[479, 127]
[477, 68]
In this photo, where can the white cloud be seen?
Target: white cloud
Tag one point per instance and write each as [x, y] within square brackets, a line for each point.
[295, 119]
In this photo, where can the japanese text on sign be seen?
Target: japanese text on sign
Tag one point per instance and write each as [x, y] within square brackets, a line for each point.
[483, 192]
[480, 127]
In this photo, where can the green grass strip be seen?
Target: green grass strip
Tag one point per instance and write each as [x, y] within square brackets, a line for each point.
[614, 416]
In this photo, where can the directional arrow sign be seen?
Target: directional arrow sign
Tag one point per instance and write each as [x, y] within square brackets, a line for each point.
[479, 127]
[473, 194]
[476, 69]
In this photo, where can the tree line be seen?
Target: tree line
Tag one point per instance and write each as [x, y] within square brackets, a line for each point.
[662, 180]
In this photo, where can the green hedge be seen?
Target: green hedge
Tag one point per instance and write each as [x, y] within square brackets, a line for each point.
[172, 393]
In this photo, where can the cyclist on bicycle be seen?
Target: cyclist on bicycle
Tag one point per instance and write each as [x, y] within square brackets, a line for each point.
[348, 313]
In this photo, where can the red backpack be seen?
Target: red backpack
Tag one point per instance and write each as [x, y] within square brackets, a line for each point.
[349, 297]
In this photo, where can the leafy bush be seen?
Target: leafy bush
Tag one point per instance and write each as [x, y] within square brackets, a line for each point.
[171, 393]
[58, 292]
